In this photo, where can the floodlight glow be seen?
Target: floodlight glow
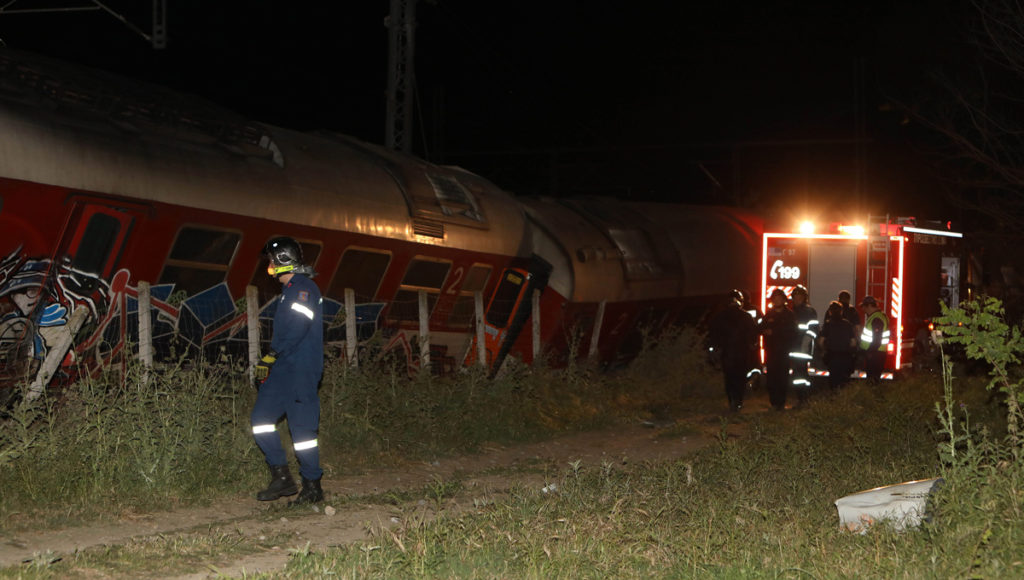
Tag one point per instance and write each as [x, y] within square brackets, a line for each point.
[807, 227]
[852, 230]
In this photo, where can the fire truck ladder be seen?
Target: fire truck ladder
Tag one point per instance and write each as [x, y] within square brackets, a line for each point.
[876, 281]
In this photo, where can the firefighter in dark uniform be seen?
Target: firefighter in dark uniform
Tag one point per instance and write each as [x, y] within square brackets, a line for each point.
[839, 341]
[874, 338]
[755, 374]
[733, 336]
[849, 312]
[290, 374]
[780, 331]
[803, 344]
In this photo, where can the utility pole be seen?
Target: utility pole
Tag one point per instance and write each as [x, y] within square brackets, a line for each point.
[401, 23]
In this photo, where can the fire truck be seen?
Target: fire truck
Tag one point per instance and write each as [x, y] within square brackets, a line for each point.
[907, 267]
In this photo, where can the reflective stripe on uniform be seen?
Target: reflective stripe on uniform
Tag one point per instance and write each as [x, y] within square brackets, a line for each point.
[257, 429]
[867, 336]
[305, 311]
[304, 445]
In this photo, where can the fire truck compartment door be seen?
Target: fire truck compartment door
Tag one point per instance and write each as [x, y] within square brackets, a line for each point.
[831, 267]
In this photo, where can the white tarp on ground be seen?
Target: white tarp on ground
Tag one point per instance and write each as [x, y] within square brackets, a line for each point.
[903, 504]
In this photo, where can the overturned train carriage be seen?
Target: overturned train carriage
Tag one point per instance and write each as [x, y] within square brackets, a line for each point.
[108, 186]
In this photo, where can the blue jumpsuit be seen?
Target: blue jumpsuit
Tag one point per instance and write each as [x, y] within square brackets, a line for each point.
[291, 388]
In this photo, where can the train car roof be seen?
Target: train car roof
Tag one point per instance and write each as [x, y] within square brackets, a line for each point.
[91, 131]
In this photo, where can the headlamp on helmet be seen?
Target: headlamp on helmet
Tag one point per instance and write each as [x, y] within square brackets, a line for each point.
[283, 255]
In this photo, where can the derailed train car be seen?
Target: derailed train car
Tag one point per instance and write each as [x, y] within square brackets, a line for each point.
[106, 183]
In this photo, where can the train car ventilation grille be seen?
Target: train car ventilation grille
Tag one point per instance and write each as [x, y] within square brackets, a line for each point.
[422, 227]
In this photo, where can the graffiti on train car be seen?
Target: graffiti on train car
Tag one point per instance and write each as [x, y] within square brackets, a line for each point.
[37, 299]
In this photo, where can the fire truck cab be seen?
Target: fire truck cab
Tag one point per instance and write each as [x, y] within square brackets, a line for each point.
[907, 268]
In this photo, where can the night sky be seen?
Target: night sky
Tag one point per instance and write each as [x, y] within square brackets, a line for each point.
[745, 103]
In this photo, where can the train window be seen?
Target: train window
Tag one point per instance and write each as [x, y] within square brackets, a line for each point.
[97, 242]
[362, 271]
[199, 258]
[266, 286]
[453, 198]
[422, 274]
[505, 299]
[463, 310]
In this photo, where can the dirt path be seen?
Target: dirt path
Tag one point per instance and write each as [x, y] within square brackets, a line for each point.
[334, 525]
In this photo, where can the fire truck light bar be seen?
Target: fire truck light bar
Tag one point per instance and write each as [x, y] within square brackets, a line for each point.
[933, 232]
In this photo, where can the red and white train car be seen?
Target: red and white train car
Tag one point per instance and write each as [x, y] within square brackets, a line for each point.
[106, 183]
[908, 268]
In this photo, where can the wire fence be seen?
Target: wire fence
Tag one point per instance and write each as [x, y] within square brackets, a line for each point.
[154, 323]
[211, 325]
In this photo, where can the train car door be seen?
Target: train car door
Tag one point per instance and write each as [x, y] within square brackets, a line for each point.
[508, 311]
[94, 239]
[506, 300]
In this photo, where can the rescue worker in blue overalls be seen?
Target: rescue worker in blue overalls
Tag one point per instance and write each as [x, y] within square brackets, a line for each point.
[803, 346]
[290, 374]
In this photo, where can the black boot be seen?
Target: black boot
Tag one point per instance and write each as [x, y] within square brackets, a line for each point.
[311, 492]
[281, 484]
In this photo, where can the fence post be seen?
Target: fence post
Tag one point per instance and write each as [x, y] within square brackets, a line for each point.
[56, 354]
[598, 318]
[351, 338]
[481, 346]
[535, 315]
[252, 316]
[424, 331]
[145, 327]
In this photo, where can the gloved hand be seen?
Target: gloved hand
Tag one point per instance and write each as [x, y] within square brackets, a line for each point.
[262, 370]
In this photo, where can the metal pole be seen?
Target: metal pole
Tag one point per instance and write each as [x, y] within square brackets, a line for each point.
[401, 23]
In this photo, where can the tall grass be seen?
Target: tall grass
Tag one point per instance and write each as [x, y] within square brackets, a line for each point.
[180, 435]
[755, 507]
[760, 506]
[125, 442]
